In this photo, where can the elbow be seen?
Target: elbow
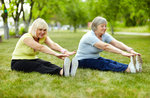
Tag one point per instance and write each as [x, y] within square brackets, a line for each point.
[53, 46]
[39, 48]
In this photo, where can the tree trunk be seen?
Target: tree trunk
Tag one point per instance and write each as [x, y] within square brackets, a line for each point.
[17, 28]
[112, 29]
[0, 38]
[27, 21]
[75, 27]
[26, 26]
[6, 31]
[5, 21]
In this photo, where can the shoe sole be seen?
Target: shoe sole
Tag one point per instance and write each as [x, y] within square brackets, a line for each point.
[66, 66]
[139, 63]
[74, 66]
[132, 65]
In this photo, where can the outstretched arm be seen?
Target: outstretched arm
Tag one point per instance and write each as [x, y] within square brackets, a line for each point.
[57, 47]
[42, 48]
[122, 46]
[110, 48]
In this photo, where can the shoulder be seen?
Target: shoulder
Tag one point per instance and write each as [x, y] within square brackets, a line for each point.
[107, 35]
[89, 38]
[89, 35]
[26, 35]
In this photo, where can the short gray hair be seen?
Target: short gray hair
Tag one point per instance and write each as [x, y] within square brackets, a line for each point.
[97, 21]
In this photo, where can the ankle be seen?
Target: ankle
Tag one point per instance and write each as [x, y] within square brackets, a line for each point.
[61, 72]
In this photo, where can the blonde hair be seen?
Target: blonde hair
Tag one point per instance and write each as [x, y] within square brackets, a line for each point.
[97, 21]
[38, 23]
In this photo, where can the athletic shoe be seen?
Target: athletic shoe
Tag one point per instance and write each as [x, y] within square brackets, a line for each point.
[74, 66]
[138, 63]
[132, 65]
[66, 67]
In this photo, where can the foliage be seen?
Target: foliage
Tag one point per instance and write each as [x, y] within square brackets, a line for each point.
[22, 30]
[134, 11]
[72, 12]
[4, 16]
[27, 17]
[79, 12]
[12, 32]
[16, 7]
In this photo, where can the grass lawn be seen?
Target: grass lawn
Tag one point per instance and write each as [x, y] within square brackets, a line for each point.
[86, 84]
[137, 29]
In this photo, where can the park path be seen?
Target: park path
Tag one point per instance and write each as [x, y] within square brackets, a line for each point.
[133, 33]
[127, 33]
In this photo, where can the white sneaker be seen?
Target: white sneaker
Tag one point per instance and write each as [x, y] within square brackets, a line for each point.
[132, 65]
[138, 63]
[74, 66]
[66, 67]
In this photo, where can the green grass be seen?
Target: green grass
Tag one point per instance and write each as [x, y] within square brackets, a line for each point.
[86, 84]
[137, 29]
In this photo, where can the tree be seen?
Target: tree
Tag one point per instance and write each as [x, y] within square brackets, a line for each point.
[111, 11]
[73, 12]
[16, 7]
[106, 8]
[135, 12]
[5, 20]
[143, 12]
[42, 9]
[30, 14]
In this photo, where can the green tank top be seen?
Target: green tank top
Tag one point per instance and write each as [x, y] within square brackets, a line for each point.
[22, 51]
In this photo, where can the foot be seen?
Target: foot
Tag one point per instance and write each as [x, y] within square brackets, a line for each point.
[66, 67]
[138, 63]
[132, 65]
[74, 66]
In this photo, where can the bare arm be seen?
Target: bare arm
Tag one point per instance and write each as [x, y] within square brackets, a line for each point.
[53, 45]
[122, 46]
[110, 48]
[42, 48]
[57, 47]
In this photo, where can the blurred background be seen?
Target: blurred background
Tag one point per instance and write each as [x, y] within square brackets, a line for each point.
[122, 15]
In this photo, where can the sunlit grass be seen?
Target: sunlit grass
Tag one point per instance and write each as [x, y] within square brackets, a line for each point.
[137, 29]
[86, 84]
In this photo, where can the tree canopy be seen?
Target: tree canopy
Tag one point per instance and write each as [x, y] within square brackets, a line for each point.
[78, 12]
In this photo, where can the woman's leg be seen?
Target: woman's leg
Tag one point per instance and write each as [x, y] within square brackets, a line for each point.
[102, 64]
[35, 65]
[48, 67]
[115, 66]
[64, 71]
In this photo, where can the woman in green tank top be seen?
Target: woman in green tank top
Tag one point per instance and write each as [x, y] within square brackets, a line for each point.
[24, 57]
